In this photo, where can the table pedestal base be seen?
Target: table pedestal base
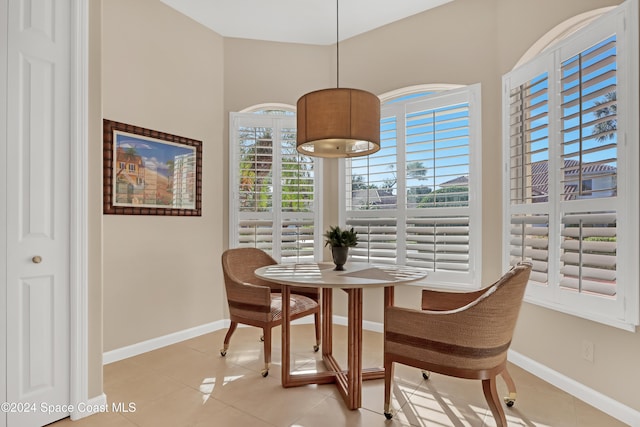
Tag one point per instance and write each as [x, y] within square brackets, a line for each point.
[349, 381]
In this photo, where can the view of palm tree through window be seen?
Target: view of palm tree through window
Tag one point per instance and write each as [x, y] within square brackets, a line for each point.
[586, 170]
[275, 190]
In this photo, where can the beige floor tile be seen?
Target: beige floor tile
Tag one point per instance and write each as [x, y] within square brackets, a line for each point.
[180, 408]
[123, 371]
[191, 384]
[430, 404]
[208, 343]
[424, 404]
[332, 412]
[588, 416]
[373, 394]
[408, 374]
[229, 417]
[141, 387]
[163, 357]
[234, 388]
[107, 419]
[277, 405]
[192, 368]
[538, 403]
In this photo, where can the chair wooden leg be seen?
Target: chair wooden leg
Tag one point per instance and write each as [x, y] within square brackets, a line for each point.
[227, 338]
[388, 377]
[316, 318]
[511, 386]
[267, 351]
[491, 394]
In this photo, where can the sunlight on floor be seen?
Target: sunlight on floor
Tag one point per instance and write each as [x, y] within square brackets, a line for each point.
[208, 384]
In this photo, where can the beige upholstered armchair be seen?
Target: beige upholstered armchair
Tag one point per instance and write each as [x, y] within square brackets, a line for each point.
[256, 302]
[464, 335]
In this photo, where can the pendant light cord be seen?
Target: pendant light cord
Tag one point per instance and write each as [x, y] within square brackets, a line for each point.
[337, 44]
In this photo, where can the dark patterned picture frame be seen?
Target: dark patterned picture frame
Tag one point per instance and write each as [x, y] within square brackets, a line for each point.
[147, 172]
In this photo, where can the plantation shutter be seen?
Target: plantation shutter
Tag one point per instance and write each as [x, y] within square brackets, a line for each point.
[255, 233]
[273, 189]
[254, 190]
[589, 170]
[370, 180]
[410, 201]
[529, 179]
[589, 253]
[377, 239]
[529, 240]
[438, 243]
[297, 201]
[589, 122]
[529, 141]
[438, 140]
[371, 199]
[570, 158]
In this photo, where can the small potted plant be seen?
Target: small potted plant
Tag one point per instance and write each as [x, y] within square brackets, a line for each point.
[340, 242]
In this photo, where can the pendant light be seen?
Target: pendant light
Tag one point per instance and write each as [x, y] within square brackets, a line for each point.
[338, 122]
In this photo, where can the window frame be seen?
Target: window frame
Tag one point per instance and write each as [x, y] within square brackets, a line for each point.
[623, 312]
[252, 117]
[443, 95]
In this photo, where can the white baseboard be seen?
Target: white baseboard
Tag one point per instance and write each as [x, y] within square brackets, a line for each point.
[594, 398]
[176, 337]
[159, 342]
[90, 407]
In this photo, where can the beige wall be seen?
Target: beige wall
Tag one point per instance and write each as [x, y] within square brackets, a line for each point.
[161, 70]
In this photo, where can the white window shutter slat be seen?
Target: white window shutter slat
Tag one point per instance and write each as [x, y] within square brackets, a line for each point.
[274, 198]
[529, 241]
[588, 256]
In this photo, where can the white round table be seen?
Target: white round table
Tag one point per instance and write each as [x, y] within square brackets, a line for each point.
[355, 278]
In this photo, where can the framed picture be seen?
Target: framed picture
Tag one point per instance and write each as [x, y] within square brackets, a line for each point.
[147, 172]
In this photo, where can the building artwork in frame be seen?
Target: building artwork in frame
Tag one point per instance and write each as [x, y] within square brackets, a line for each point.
[147, 172]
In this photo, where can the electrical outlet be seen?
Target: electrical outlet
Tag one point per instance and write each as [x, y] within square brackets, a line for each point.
[587, 351]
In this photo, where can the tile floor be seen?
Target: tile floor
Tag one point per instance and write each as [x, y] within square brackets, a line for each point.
[190, 384]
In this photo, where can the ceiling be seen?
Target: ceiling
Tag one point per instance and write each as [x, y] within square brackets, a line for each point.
[298, 21]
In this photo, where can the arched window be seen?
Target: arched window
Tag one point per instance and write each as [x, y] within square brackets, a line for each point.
[417, 200]
[272, 109]
[560, 32]
[570, 149]
[273, 194]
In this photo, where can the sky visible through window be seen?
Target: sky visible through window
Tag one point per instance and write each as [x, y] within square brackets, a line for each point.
[580, 105]
[589, 82]
[436, 148]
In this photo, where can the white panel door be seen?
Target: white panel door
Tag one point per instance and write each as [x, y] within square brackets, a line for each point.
[37, 194]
